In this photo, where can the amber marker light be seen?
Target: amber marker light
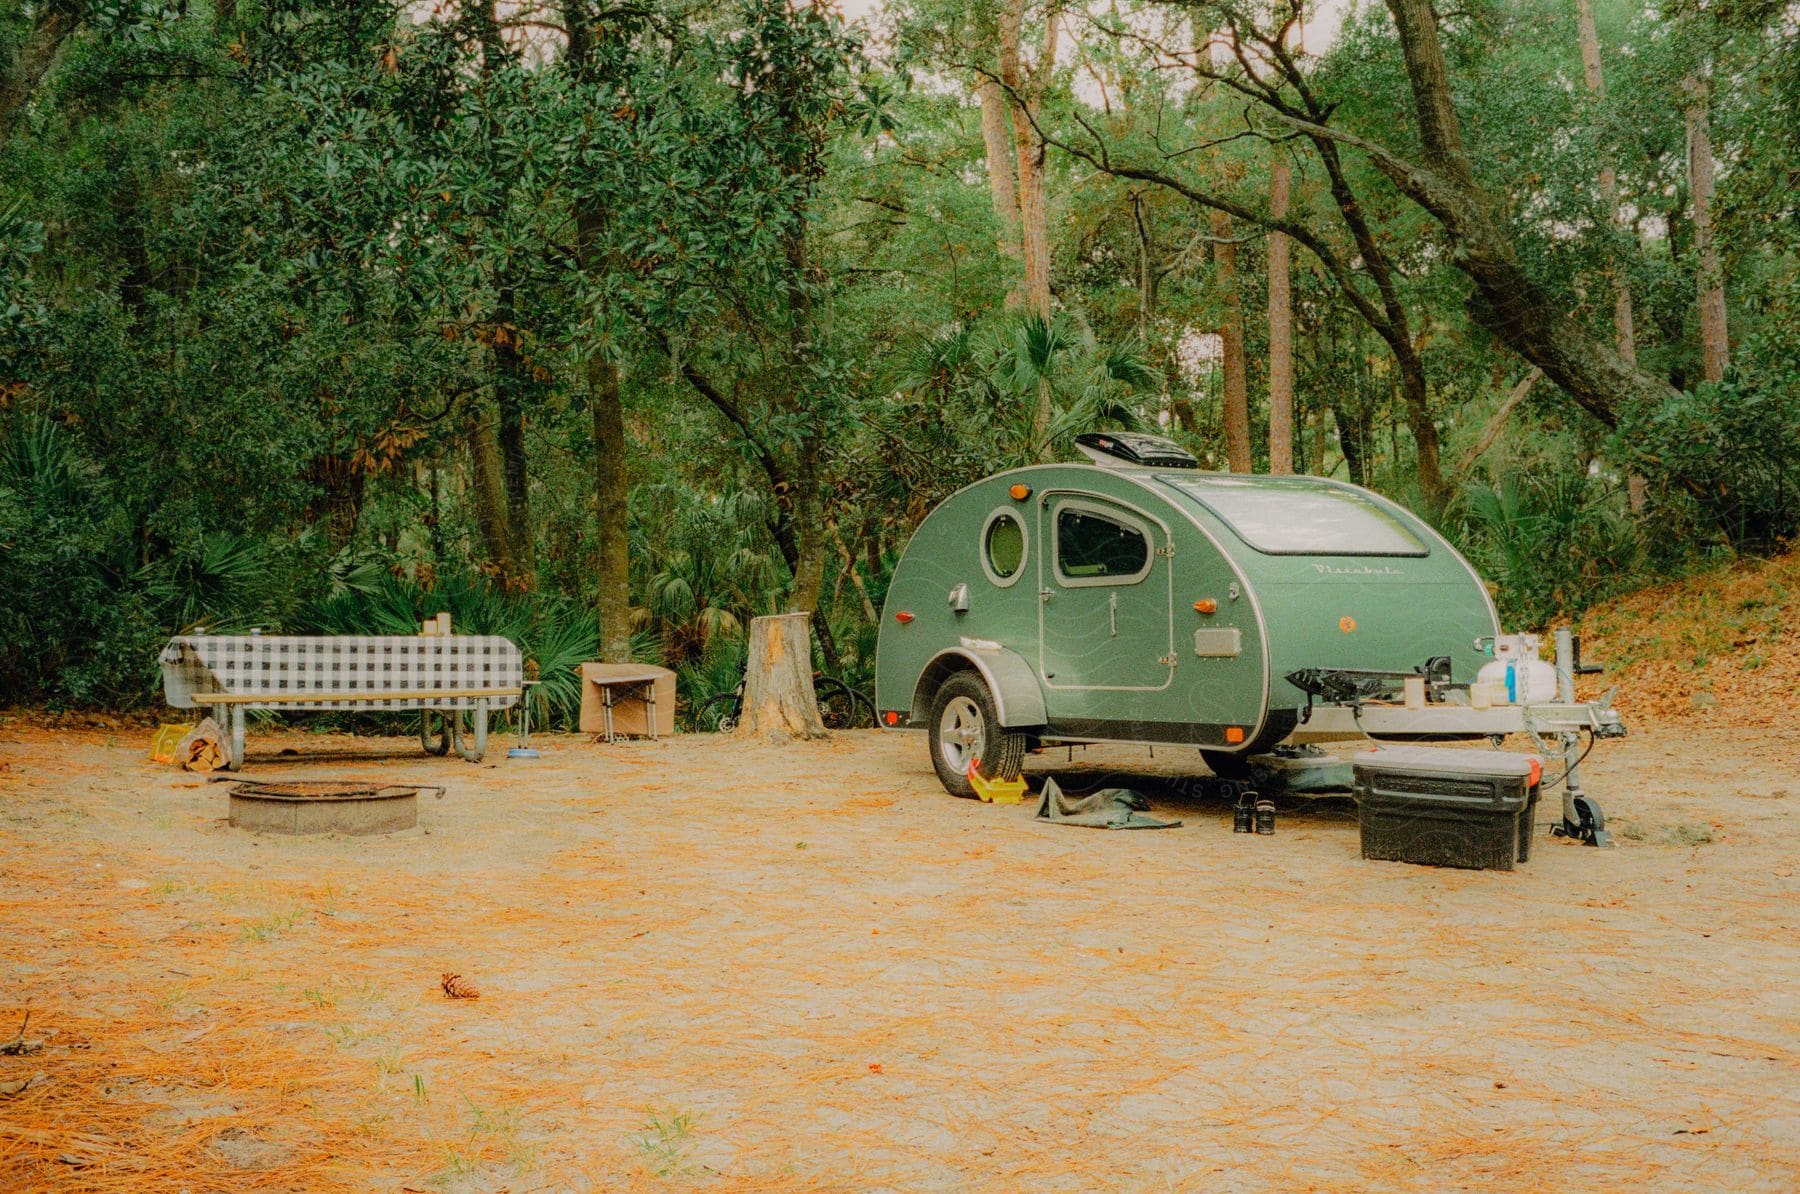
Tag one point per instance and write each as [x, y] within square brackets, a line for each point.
[1234, 734]
[1020, 491]
[903, 617]
[1206, 605]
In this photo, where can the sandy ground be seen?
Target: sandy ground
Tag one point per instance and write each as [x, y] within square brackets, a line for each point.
[727, 965]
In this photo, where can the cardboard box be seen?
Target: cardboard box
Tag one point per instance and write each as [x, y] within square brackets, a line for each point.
[631, 713]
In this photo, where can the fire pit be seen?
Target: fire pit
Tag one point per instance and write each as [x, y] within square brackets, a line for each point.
[326, 806]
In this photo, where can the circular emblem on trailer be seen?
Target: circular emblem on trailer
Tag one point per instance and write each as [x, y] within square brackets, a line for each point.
[1346, 623]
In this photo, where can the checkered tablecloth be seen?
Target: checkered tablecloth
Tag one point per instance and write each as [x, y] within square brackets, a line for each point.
[270, 665]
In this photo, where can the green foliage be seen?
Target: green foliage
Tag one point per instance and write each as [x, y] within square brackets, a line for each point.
[221, 574]
[1729, 452]
[719, 669]
[268, 291]
[996, 374]
[73, 629]
[1549, 544]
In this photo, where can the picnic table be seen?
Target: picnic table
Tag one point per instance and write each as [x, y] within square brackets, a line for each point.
[448, 674]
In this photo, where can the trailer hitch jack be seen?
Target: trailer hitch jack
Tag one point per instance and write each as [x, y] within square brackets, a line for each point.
[1590, 825]
[1583, 818]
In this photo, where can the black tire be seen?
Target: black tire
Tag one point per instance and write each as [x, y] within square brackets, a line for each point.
[837, 703]
[963, 725]
[1227, 765]
[1235, 764]
[719, 714]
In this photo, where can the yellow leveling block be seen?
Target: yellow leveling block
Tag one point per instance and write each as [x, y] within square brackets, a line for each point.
[995, 791]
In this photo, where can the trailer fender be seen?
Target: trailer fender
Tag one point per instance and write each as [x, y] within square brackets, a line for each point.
[1018, 700]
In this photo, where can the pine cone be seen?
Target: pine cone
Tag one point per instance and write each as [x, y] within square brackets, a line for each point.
[457, 987]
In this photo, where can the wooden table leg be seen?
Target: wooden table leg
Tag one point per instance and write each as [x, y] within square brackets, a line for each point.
[234, 760]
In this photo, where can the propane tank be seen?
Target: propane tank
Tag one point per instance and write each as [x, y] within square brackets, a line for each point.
[1517, 669]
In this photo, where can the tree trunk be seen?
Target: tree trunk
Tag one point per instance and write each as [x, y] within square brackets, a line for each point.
[1624, 331]
[779, 701]
[1415, 396]
[1281, 331]
[612, 497]
[50, 27]
[803, 505]
[509, 369]
[1353, 441]
[1024, 101]
[1231, 337]
[1001, 186]
[488, 495]
[343, 487]
[862, 591]
[512, 383]
[1389, 321]
[1506, 301]
[1715, 346]
[802, 500]
[511, 428]
[612, 481]
[1624, 335]
[1497, 422]
[1149, 270]
[872, 551]
[807, 517]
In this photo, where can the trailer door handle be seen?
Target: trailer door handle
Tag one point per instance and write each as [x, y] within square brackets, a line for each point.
[1112, 612]
[1045, 594]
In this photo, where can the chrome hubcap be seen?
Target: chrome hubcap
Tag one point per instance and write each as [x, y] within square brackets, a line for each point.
[962, 735]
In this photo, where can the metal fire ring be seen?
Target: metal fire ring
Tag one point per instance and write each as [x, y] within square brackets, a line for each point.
[326, 806]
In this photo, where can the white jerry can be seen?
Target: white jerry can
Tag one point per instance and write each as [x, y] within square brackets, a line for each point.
[1517, 670]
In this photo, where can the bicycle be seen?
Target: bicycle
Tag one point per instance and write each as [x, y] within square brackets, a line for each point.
[841, 707]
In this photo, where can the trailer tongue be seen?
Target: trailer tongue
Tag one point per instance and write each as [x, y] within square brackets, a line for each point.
[1345, 705]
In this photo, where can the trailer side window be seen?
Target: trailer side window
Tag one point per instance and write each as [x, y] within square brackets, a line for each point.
[1003, 547]
[1093, 547]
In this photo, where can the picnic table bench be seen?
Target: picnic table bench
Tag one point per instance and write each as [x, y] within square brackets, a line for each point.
[447, 674]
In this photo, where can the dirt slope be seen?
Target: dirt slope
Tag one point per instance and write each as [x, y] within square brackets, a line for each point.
[1722, 648]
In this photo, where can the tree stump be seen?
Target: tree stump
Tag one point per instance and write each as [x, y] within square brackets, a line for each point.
[778, 690]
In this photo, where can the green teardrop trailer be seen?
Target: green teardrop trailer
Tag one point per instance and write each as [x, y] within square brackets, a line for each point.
[1137, 599]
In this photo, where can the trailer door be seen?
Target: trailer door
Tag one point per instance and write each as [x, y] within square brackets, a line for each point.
[1104, 596]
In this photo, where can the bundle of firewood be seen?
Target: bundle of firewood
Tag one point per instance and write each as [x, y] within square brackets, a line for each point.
[203, 749]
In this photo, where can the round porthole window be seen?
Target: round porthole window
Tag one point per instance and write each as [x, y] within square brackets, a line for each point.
[1003, 547]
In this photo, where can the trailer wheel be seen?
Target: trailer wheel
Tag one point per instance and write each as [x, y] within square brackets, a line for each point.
[964, 726]
[1225, 764]
[1229, 764]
